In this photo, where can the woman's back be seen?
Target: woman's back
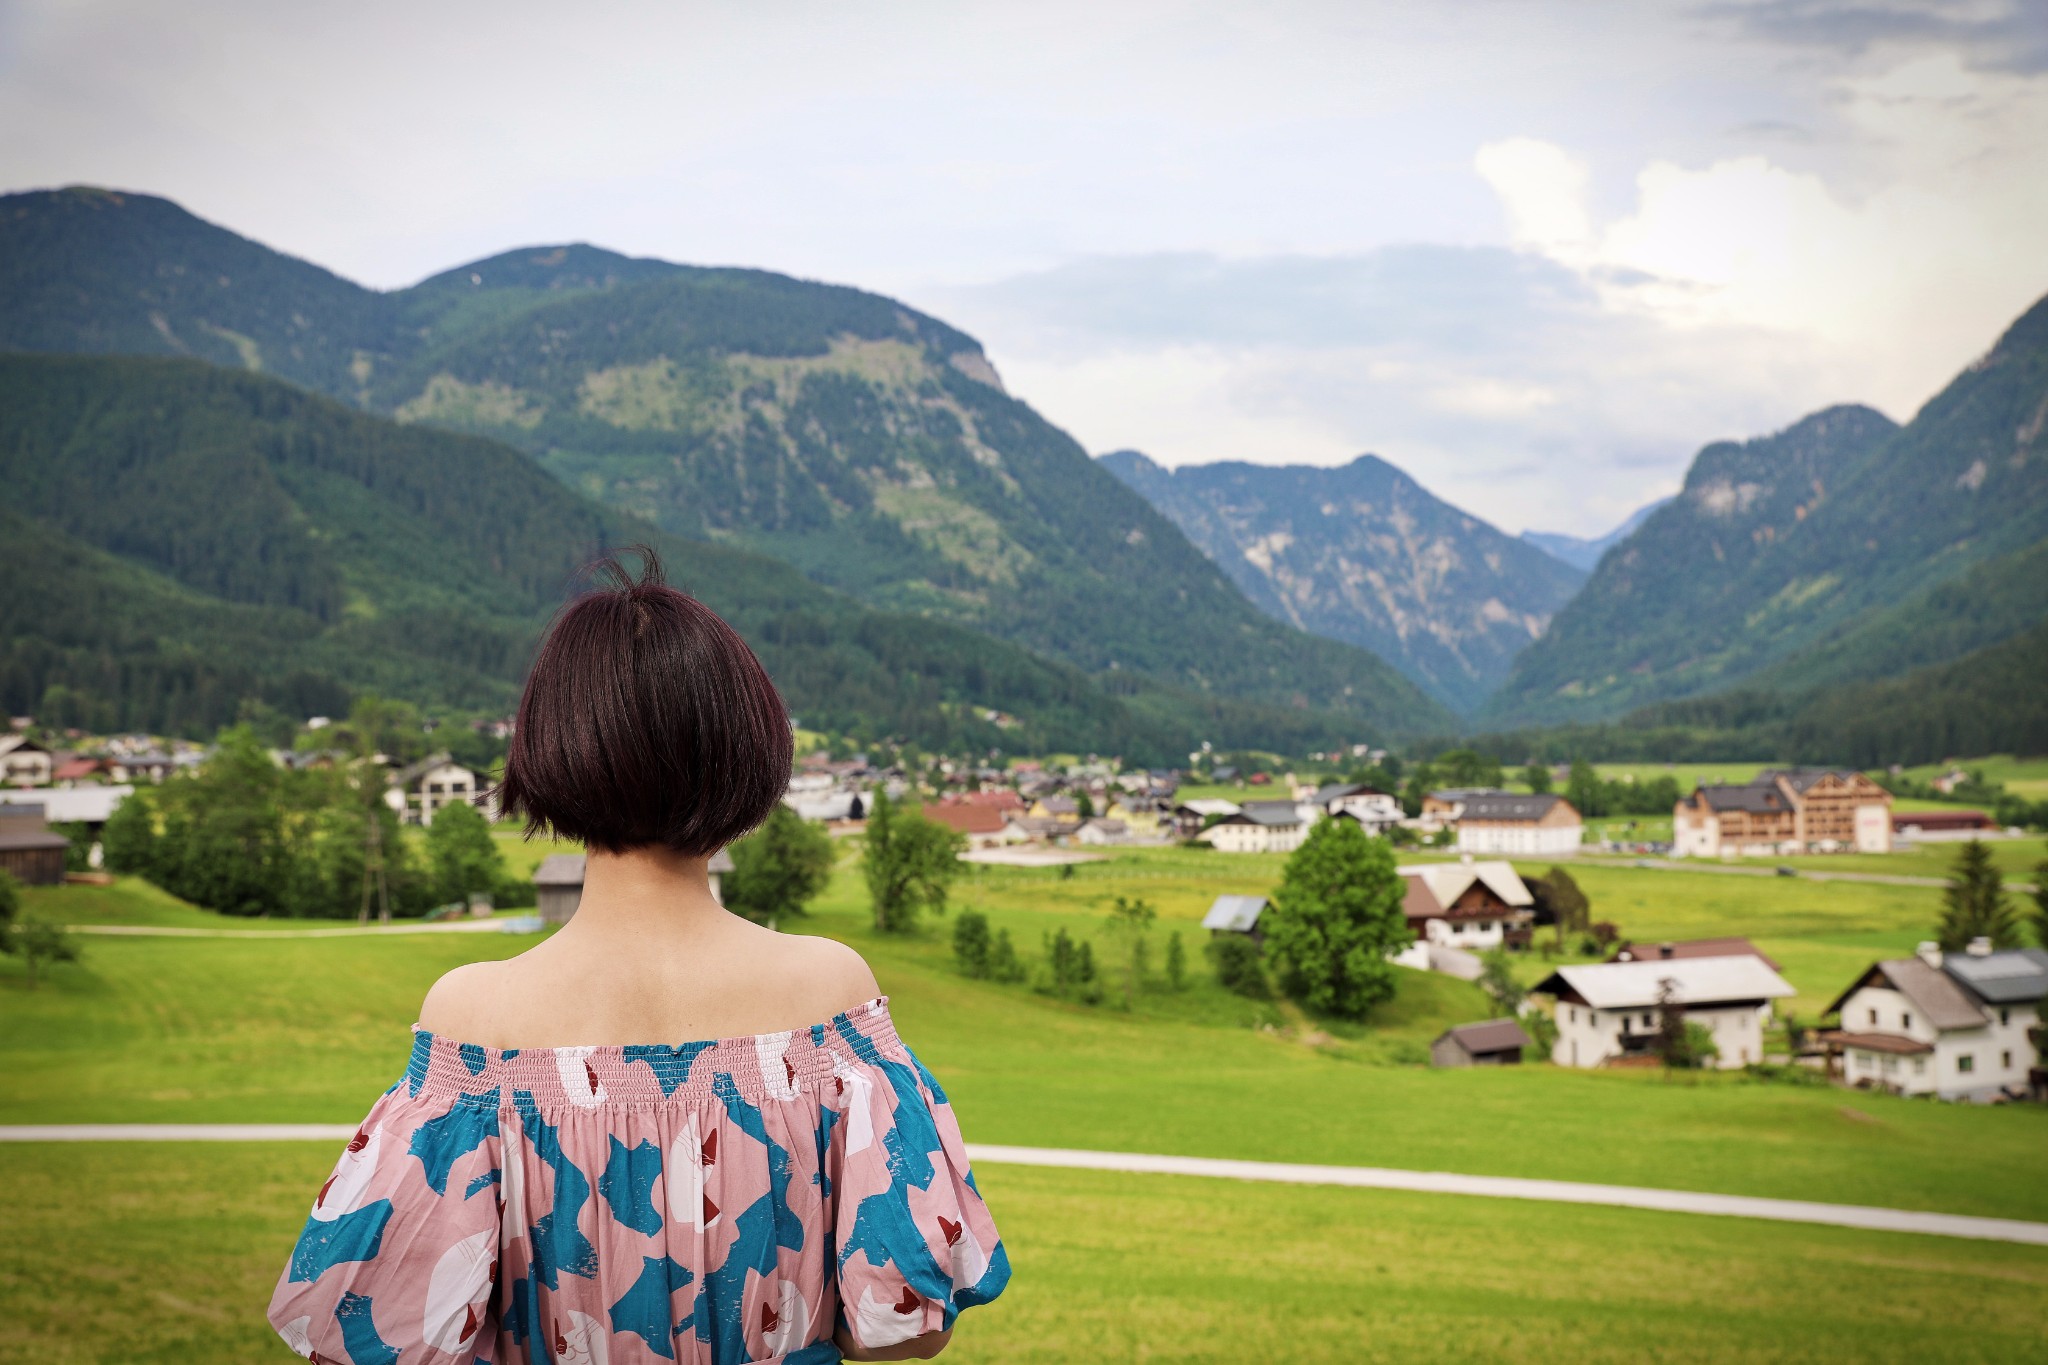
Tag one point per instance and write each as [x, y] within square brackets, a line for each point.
[562, 1174]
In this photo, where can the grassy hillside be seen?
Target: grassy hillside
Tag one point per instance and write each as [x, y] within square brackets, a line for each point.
[1364, 554]
[1838, 549]
[869, 445]
[183, 536]
[1108, 1266]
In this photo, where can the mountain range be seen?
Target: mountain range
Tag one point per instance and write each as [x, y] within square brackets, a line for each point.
[867, 445]
[1363, 553]
[850, 477]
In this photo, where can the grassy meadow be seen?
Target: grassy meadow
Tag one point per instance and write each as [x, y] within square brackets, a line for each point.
[1110, 1267]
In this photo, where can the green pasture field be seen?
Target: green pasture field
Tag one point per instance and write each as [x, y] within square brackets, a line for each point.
[2026, 777]
[1687, 775]
[166, 1254]
[2016, 858]
[1110, 1267]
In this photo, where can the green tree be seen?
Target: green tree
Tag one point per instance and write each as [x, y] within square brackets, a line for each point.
[1497, 979]
[39, 943]
[223, 831]
[2041, 902]
[1975, 905]
[1003, 963]
[910, 864]
[1176, 962]
[128, 841]
[1130, 920]
[1537, 777]
[1467, 768]
[1335, 919]
[971, 943]
[10, 902]
[1586, 791]
[1084, 805]
[1559, 898]
[1239, 965]
[463, 857]
[778, 869]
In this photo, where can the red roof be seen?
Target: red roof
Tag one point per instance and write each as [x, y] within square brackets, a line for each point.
[976, 819]
[1941, 819]
[76, 768]
[1000, 799]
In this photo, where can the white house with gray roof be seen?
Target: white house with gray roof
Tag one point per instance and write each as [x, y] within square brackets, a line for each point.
[1952, 1025]
[1259, 827]
[1609, 1011]
[1539, 826]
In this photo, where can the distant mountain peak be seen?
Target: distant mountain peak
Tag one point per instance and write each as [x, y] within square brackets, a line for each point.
[1361, 552]
[1583, 552]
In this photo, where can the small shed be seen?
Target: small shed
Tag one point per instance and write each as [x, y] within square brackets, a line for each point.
[558, 882]
[1236, 915]
[29, 848]
[1492, 1042]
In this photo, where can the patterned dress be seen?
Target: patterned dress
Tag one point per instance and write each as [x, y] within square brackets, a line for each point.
[727, 1202]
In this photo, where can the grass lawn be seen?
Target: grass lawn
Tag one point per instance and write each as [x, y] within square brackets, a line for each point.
[1686, 775]
[2016, 858]
[2026, 777]
[167, 1254]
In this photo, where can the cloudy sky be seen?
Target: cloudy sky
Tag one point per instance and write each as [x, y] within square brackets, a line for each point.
[1534, 253]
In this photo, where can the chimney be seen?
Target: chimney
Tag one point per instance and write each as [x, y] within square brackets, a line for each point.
[1663, 950]
[1930, 953]
[1979, 947]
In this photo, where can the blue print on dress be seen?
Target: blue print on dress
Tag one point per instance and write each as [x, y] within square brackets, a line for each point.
[720, 1305]
[473, 1058]
[558, 1244]
[440, 1142]
[670, 1065]
[645, 1311]
[483, 1182]
[628, 1184]
[359, 1332]
[355, 1236]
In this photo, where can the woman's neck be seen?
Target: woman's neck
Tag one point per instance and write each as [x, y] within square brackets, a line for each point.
[645, 891]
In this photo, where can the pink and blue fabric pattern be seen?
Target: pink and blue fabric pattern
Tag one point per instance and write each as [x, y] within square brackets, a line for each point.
[719, 1202]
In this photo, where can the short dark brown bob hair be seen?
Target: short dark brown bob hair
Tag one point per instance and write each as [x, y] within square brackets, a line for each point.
[646, 721]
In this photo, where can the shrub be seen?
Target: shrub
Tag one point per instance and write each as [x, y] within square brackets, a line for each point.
[971, 944]
[1176, 963]
[1003, 963]
[1240, 967]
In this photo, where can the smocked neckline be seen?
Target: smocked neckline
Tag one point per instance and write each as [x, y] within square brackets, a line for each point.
[867, 1009]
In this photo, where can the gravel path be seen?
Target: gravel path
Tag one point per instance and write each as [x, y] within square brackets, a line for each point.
[1139, 1163]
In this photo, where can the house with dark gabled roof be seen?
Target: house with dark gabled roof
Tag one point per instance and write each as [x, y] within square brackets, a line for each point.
[1375, 811]
[1954, 1025]
[1795, 810]
[1501, 822]
[1492, 1042]
[1258, 827]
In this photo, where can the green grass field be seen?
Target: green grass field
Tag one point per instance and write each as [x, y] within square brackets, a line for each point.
[170, 1253]
[1110, 1267]
[2026, 777]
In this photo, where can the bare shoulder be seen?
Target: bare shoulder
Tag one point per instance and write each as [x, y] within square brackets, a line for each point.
[831, 971]
[461, 999]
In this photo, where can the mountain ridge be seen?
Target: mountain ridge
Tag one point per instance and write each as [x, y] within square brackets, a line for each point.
[1584, 553]
[868, 444]
[1362, 552]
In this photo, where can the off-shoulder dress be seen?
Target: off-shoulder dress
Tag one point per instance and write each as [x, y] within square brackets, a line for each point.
[720, 1202]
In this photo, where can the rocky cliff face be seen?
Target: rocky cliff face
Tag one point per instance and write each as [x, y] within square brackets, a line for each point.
[1366, 555]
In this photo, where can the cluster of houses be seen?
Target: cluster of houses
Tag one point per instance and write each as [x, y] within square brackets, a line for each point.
[1481, 820]
[1957, 1026]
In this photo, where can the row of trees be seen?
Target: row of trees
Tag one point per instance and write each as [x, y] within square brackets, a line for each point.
[245, 837]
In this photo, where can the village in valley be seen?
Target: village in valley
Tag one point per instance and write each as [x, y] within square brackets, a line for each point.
[1489, 884]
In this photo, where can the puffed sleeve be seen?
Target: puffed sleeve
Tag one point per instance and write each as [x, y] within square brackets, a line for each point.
[399, 1256]
[916, 1243]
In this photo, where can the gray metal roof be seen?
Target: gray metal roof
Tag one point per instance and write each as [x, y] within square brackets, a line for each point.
[1237, 914]
[559, 869]
[1754, 797]
[1270, 812]
[1508, 807]
[1491, 1035]
[2012, 977]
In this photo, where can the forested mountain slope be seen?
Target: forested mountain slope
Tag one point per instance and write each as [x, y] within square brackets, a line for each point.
[867, 444]
[1815, 553]
[1364, 554]
[179, 536]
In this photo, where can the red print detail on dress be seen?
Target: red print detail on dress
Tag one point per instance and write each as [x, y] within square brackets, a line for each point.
[359, 1141]
[591, 1072]
[711, 1148]
[951, 1229]
[469, 1322]
[789, 1070]
[710, 1211]
[910, 1302]
[321, 1198]
[770, 1319]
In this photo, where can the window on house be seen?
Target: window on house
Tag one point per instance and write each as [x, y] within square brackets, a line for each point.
[1873, 1018]
[2005, 1016]
[2005, 1061]
[1646, 1021]
[1966, 1062]
[1919, 1066]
